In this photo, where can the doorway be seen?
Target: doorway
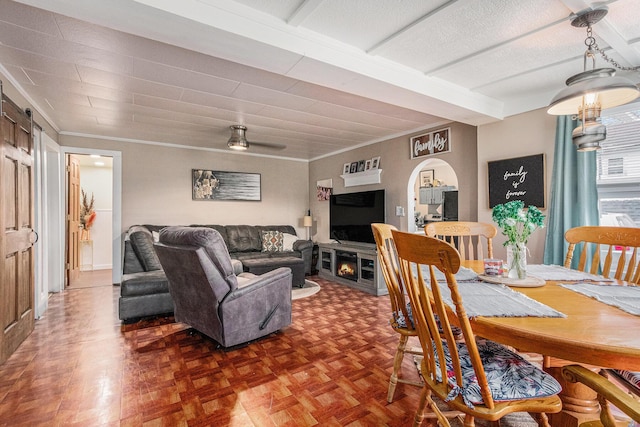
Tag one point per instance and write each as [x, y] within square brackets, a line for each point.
[98, 251]
[427, 187]
[90, 213]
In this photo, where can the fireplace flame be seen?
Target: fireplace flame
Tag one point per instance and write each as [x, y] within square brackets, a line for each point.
[346, 270]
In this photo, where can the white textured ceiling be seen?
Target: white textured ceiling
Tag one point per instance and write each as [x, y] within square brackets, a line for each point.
[318, 76]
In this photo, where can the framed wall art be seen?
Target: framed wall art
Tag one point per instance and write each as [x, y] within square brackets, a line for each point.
[520, 178]
[223, 185]
[426, 178]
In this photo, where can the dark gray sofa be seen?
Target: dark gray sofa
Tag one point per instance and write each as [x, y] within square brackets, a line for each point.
[144, 290]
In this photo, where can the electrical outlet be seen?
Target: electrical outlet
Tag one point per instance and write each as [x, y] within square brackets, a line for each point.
[399, 211]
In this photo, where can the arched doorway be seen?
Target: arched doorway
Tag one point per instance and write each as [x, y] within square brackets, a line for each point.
[434, 174]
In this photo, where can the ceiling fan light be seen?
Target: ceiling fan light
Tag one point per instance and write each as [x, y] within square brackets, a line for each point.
[610, 90]
[238, 141]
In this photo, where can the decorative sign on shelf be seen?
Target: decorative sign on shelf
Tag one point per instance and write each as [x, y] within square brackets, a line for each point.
[520, 178]
[428, 144]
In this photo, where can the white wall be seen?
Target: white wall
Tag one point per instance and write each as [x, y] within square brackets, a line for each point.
[517, 136]
[98, 181]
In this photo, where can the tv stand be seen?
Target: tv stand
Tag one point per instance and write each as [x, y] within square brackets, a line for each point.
[354, 265]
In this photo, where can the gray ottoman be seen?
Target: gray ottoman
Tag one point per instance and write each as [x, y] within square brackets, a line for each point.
[262, 265]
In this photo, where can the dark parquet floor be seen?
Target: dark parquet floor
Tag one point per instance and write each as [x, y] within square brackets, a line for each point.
[82, 367]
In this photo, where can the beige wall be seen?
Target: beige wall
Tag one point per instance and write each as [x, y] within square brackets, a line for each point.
[156, 186]
[521, 135]
[398, 175]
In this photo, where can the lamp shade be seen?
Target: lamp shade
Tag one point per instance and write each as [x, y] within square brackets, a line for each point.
[611, 91]
[307, 221]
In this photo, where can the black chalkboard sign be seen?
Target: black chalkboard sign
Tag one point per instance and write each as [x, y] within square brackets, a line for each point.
[520, 178]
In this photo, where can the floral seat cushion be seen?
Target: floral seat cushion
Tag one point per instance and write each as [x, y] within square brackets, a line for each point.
[633, 378]
[510, 376]
[401, 322]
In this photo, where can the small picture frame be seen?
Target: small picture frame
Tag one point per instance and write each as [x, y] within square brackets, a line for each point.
[346, 168]
[367, 165]
[361, 166]
[375, 162]
[354, 167]
[426, 178]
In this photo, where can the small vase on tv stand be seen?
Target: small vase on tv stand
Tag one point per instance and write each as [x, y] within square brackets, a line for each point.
[516, 261]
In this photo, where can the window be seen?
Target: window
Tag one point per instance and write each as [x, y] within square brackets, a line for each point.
[618, 163]
[615, 166]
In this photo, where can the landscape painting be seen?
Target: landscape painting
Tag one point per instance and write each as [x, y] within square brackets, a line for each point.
[223, 185]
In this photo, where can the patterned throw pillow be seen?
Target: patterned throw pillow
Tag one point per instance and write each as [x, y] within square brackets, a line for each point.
[272, 241]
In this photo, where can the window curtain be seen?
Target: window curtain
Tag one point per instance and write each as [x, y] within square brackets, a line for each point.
[574, 195]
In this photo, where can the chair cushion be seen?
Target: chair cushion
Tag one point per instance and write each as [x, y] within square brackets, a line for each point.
[509, 375]
[633, 378]
[400, 322]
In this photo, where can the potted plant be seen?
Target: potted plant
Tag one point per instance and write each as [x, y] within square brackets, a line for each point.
[517, 224]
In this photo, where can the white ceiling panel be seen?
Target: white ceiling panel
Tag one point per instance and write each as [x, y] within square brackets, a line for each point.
[319, 76]
[363, 23]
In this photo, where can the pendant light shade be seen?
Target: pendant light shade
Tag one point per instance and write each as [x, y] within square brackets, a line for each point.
[601, 84]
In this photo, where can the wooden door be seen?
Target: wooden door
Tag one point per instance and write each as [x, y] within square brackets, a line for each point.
[16, 225]
[73, 218]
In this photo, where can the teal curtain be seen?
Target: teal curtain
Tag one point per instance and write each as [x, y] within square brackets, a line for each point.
[574, 196]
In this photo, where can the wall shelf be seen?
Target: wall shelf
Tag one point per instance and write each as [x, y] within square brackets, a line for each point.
[372, 176]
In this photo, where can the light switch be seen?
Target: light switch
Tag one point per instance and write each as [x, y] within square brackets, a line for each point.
[399, 211]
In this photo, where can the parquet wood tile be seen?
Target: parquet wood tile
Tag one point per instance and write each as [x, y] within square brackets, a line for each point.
[82, 367]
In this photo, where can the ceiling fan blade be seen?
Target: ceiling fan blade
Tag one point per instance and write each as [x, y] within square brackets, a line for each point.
[271, 145]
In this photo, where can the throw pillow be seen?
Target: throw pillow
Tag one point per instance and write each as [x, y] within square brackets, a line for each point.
[272, 241]
[287, 241]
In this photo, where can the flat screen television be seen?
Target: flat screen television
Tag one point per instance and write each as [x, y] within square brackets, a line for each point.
[351, 215]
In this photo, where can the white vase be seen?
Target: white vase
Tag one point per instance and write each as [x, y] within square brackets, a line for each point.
[516, 261]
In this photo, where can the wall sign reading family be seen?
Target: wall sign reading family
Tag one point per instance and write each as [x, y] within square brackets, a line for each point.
[222, 185]
[427, 144]
[520, 178]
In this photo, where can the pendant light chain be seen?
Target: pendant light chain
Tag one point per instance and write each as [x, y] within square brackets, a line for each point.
[591, 43]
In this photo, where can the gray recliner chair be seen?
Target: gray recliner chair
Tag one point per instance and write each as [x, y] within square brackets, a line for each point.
[208, 296]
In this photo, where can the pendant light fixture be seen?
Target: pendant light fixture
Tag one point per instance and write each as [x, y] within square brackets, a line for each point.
[588, 92]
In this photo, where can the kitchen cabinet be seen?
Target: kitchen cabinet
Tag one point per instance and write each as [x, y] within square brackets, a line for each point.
[433, 195]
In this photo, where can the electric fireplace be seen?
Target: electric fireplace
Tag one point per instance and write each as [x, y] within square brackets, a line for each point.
[347, 265]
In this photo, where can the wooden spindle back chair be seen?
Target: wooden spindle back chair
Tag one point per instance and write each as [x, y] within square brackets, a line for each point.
[622, 243]
[401, 321]
[419, 257]
[607, 391]
[467, 237]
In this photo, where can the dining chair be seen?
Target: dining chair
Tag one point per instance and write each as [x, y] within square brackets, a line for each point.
[401, 320]
[603, 249]
[478, 377]
[608, 393]
[466, 237]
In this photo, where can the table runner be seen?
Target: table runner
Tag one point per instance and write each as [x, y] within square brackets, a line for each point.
[626, 298]
[489, 299]
[558, 272]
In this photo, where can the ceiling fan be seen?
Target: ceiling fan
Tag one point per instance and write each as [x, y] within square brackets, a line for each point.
[238, 140]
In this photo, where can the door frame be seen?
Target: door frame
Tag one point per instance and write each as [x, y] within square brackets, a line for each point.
[116, 224]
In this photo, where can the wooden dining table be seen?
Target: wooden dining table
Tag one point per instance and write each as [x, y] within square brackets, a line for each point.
[592, 333]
